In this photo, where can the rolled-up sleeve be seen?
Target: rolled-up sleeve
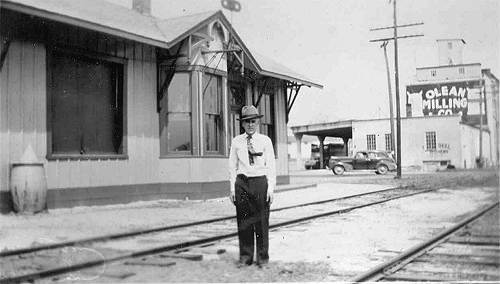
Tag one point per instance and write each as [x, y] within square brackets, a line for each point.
[270, 165]
[233, 164]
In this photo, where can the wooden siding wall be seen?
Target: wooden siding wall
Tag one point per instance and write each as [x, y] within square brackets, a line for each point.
[22, 105]
[23, 111]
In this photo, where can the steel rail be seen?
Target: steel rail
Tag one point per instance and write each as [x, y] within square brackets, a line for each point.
[165, 228]
[89, 264]
[378, 272]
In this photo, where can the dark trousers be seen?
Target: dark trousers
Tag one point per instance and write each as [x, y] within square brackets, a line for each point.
[252, 213]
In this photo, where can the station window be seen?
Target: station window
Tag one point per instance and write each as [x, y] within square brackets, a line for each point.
[450, 45]
[461, 70]
[433, 73]
[213, 126]
[175, 116]
[430, 140]
[85, 105]
[371, 143]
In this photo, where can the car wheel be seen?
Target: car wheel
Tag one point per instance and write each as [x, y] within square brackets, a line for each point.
[382, 169]
[338, 170]
[308, 167]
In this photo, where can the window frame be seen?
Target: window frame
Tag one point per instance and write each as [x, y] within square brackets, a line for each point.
[221, 135]
[51, 50]
[388, 142]
[368, 144]
[430, 140]
[164, 111]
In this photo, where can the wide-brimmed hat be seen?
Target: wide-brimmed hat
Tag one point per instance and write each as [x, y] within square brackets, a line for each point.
[249, 112]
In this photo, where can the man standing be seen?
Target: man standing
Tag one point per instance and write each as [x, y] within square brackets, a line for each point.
[252, 170]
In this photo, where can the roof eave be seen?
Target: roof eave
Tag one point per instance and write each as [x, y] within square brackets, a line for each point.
[290, 78]
[81, 23]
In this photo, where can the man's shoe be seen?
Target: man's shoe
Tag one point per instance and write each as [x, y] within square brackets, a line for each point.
[262, 262]
[244, 261]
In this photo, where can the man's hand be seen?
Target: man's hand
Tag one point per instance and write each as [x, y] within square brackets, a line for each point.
[270, 197]
[232, 197]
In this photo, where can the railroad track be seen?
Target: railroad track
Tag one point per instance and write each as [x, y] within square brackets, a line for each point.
[55, 259]
[468, 251]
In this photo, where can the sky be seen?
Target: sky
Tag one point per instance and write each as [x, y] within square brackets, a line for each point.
[328, 42]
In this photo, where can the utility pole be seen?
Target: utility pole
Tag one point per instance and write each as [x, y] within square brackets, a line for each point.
[396, 78]
[391, 111]
[480, 162]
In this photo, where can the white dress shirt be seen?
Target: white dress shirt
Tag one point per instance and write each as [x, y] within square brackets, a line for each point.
[264, 165]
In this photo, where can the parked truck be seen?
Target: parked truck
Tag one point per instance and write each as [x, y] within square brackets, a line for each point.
[329, 150]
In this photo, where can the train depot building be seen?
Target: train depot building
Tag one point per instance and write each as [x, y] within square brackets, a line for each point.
[121, 106]
[452, 118]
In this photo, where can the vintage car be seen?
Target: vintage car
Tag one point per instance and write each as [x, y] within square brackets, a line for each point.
[380, 161]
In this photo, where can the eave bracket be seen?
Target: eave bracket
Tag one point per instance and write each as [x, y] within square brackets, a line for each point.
[291, 96]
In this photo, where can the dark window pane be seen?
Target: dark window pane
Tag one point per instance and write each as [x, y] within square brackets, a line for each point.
[87, 100]
[65, 111]
[97, 106]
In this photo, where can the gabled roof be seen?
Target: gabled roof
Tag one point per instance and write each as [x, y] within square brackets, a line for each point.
[117, 20]
[176, 29]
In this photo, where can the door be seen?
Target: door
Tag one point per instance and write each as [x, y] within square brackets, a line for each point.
[360, 161]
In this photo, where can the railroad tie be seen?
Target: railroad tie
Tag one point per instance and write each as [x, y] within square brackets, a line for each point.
[118, 275]
[188, 256]
[150, 262]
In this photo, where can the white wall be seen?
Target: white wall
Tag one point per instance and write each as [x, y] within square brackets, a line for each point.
[413, 144]
[470, 146]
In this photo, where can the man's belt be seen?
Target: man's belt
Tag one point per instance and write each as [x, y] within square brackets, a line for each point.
[245, 178]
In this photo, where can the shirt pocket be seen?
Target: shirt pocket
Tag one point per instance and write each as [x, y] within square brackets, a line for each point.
[259, 148]
[242, 153]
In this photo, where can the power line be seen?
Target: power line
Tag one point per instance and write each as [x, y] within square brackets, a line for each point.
[400, 26]
[392, 38]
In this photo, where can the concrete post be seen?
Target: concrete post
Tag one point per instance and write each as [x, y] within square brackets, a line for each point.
[321, 144]
[298, 140]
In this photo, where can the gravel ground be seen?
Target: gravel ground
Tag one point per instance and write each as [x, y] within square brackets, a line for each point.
[329, 249]
[449, 178]
[82, 222]
[326, 250]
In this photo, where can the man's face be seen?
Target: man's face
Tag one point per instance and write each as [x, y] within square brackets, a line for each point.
[250, 125]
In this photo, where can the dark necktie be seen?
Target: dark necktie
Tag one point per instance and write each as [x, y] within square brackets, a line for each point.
[251, 150]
